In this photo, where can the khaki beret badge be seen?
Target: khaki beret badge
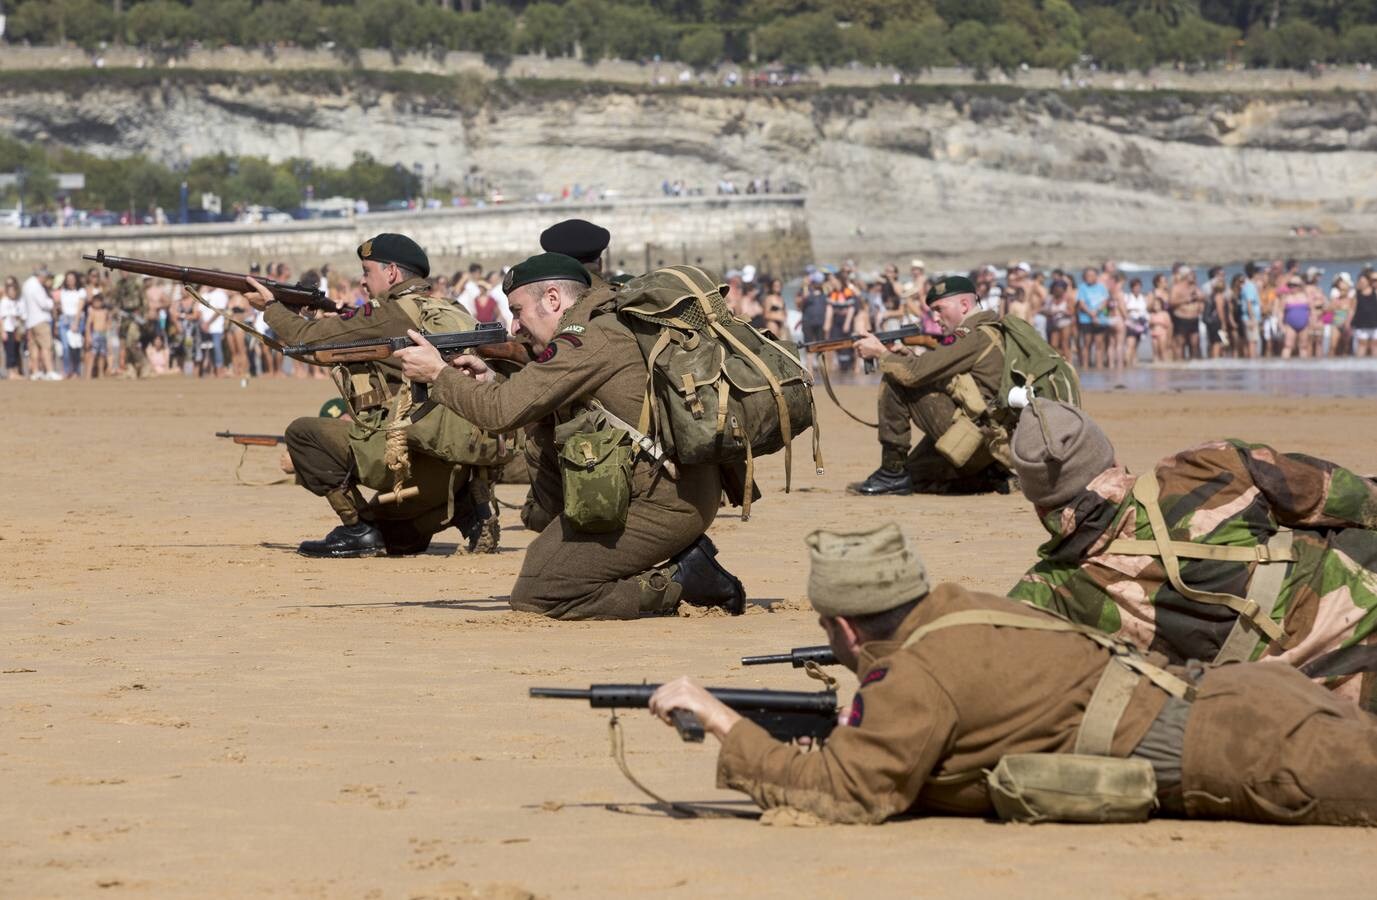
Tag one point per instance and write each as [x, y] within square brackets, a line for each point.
[366, 249]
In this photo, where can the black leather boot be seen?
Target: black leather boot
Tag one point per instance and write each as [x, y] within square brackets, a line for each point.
[883, 481]
[346, 542]
[703, 580]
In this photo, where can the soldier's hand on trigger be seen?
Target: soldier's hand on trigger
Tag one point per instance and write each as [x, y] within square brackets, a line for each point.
[422, 363]
[260, 296]
[681, 693]
[867, 346]
[473, 367]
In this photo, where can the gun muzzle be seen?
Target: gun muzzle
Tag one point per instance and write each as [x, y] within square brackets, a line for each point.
[562, 693]
[769, 659]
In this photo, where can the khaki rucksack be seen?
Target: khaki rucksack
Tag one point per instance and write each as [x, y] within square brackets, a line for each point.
[717, 390]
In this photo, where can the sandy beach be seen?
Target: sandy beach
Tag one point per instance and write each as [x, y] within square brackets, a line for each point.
[188, 708]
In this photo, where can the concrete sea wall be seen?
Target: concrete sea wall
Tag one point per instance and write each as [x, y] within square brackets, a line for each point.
[718, 232]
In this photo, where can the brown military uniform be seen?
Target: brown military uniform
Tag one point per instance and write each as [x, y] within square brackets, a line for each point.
[320, 448]
[915, 389]
[1260, 742]
[568, 574]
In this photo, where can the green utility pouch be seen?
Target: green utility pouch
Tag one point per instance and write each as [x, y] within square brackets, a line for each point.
[596, 470]
[1066, 787]
[444, 433]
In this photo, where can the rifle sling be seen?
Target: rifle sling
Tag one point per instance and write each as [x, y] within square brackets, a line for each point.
[270, 342]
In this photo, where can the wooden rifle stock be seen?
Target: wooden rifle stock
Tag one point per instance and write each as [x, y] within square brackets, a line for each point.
[908, 335]
[288, 294]
[253, 440]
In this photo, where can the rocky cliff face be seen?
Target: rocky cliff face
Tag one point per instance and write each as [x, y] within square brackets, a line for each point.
[948, 172]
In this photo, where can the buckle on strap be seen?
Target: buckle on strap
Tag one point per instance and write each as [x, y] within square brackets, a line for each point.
[1264, 555]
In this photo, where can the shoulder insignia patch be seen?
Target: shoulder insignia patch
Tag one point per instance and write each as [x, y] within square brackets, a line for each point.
[873, 676]
[572, 340]
[857, 712]
[548, 353]
[367, 310]
[348, 312]
[573, 329]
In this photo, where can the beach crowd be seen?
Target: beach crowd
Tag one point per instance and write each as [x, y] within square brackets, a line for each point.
[92, 323]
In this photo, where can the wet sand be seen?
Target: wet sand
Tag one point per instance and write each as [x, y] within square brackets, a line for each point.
[190, 709]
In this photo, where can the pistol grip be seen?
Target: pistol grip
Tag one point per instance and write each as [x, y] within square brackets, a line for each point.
[688, 726]
[420, 392]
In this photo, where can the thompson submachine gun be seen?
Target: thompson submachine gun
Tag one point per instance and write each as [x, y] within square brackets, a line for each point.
[797, 657]
[908, 335]
[289, 294]
[489, 340]
[786, 715]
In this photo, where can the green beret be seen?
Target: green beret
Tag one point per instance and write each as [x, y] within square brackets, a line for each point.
[621, 278]
[333, 409]
[396, 248]
[545, 267]
[582, 240]
[950, 287]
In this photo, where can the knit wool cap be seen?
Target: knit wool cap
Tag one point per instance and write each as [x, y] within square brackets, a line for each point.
[1057, 451]
[396, 248]
[859, 573]
[582, 240]
[950, 287]
[545, 267]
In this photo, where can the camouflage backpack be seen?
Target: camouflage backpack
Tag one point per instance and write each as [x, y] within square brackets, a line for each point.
[717, 389]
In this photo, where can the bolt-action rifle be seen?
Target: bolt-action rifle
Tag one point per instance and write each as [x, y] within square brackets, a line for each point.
[289, 294]
[797, 657]
[786, 715]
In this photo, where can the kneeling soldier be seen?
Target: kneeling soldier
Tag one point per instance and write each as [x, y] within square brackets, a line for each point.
[651, 554]
[936, 390]
[952, 683]
[332, 457]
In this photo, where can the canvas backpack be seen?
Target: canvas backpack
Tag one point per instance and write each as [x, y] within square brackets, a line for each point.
[718, 391]
[1030, 362]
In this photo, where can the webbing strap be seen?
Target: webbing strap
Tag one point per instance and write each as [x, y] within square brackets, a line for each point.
[775, 388]
[1147, 492]
[1095, 737]
[1264, 590]
[1049, 621]
[1262, 553]
[660, 344]
[827, 383]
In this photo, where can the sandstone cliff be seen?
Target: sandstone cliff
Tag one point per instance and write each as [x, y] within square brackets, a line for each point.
[954, 173]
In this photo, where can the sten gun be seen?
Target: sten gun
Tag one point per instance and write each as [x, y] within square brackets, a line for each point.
[489, 339]
[253, 440]
[797, 657]
[289, 294]
[786, 715]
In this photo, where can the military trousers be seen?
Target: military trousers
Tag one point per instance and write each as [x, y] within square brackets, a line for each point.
[932, 411]
[324, 464]
[1263, 743]
[571, 575]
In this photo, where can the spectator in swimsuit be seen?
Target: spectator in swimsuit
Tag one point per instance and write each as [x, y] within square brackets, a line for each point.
[1136, 320]
[1295, 317]
[1185, 305]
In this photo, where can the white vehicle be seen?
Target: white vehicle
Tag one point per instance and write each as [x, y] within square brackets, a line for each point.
[9, 218]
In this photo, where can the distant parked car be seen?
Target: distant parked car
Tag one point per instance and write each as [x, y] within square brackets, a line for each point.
[100, 218]
[9, 218]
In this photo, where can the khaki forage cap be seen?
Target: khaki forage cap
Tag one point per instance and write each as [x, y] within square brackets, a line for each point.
[859, 573]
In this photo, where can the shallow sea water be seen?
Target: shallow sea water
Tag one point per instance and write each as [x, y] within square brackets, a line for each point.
[1291, 377]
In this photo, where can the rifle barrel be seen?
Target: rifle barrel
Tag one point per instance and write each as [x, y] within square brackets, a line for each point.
[562, 693]
[769, 659]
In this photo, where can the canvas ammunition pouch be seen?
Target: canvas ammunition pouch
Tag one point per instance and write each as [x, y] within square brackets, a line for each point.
[1108, 789]
[973, 424]
[1068, 787]
[1254, 622]
[595, 466]
[718, 391]
[379, 402]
